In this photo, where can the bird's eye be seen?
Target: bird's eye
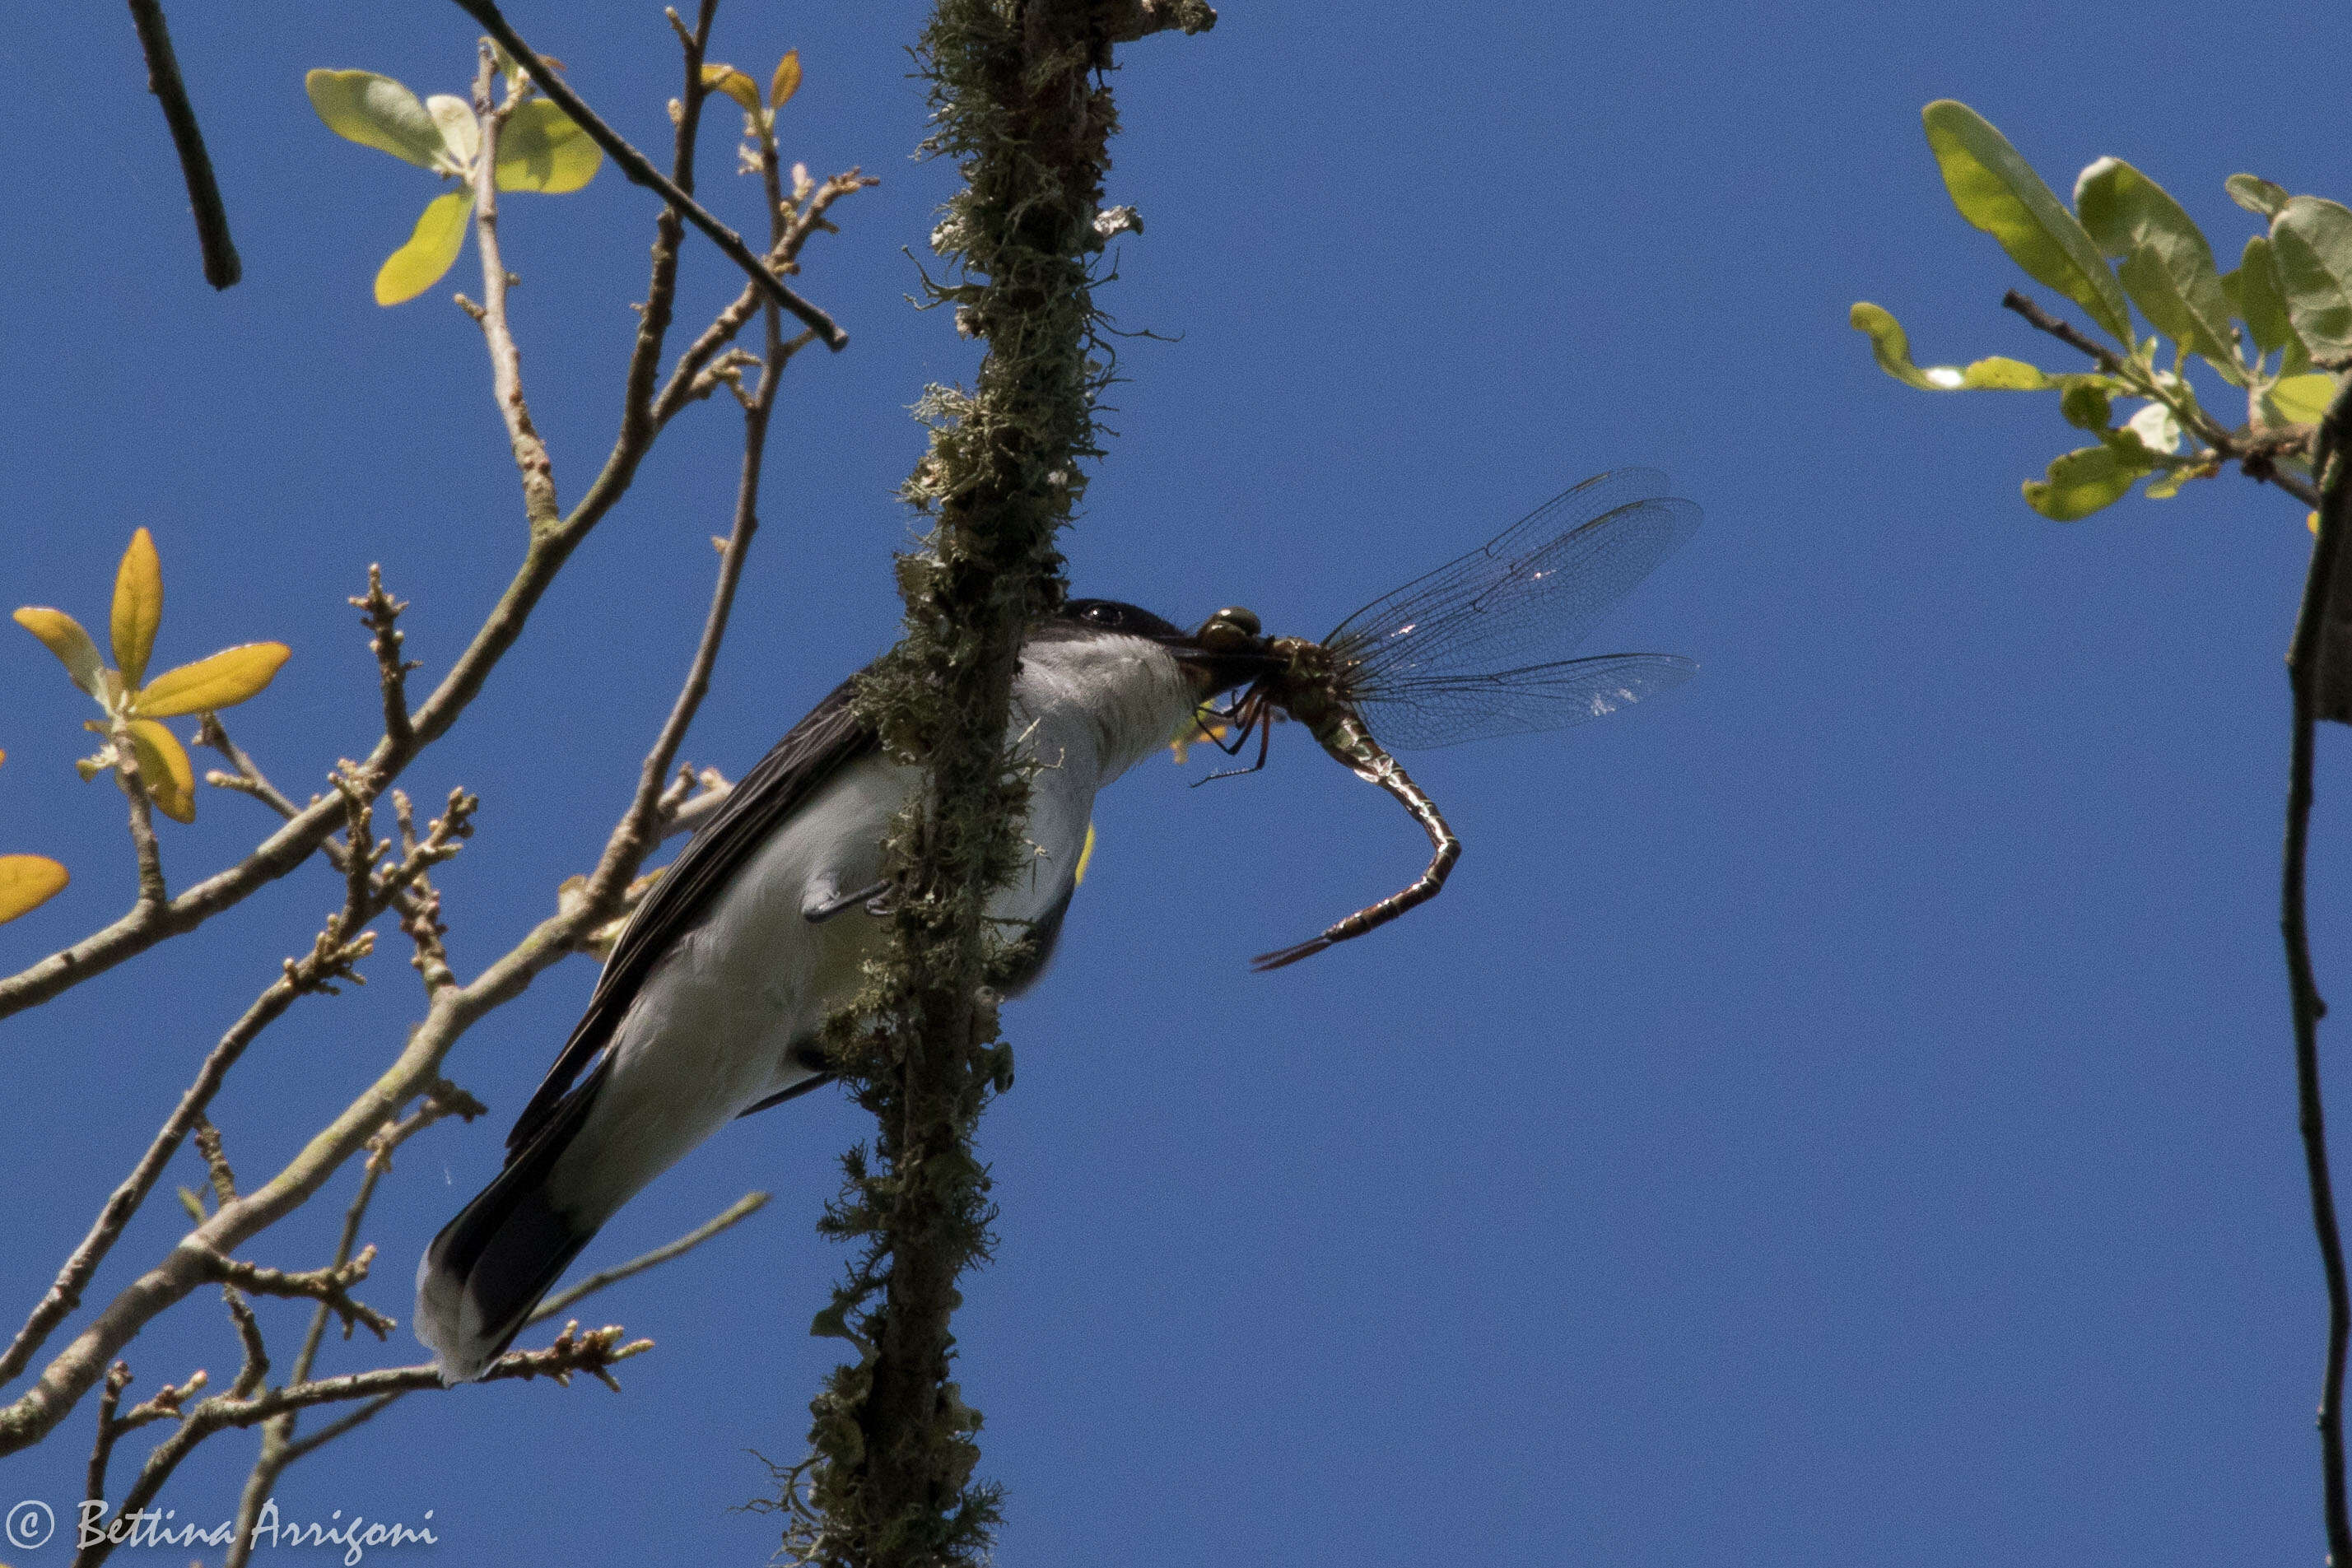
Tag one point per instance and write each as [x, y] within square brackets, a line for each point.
[1102, 614]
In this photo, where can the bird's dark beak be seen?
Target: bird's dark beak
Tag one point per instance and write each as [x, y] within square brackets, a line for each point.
[1227, 651]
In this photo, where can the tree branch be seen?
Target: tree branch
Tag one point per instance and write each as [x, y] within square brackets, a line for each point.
[634, 164]
[2304, 657]
[1019, 104]
[150, 922]
[222, 269]
[595, 1353]
[734, 1213]
[506, 361]
[2256, 453]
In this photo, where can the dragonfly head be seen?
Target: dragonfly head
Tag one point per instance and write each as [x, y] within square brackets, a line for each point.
[1232, 630]
[1227, 651]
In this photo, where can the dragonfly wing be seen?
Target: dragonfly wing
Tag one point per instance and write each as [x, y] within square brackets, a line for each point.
[1421, 713]
[1538, 589]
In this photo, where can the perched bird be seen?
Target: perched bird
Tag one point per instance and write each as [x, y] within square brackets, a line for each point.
[710, 1004]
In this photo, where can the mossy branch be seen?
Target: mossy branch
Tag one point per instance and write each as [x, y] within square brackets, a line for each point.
[1020, 103]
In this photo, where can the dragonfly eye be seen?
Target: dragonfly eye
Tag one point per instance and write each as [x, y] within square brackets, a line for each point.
[1229, 630]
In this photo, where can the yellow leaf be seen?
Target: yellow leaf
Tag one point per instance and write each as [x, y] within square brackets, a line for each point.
[1085, 856]
[788, 81]
[163, 769]
[61, 634]
[226, 679]
[419, 265]
[138, 608]
[541, 149]
[27, 881]
[734, 84]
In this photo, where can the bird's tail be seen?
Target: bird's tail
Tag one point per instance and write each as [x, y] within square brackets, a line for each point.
[487, 1268]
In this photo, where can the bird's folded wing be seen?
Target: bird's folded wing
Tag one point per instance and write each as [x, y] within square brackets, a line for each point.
[816, 747]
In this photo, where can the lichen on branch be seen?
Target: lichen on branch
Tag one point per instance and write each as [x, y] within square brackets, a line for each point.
[1021, 102]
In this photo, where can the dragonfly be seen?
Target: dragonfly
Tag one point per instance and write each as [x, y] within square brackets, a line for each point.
[1460, 655]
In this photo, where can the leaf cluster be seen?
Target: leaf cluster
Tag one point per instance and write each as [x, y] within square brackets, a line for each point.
[2261, 327]
[133, 705]
[539, 149]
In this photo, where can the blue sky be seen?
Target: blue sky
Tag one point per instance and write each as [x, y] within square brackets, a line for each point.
[1843, 1115]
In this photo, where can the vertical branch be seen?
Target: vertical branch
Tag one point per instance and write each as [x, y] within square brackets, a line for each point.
[506, 361]
[222, 269]
[1018, 102]
[2302, 676]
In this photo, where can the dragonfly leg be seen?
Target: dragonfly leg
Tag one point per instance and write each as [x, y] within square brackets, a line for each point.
[1259, 716]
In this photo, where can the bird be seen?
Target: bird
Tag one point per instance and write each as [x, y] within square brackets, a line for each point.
[710, 1005]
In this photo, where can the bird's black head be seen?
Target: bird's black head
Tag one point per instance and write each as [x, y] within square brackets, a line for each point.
[1226, 652]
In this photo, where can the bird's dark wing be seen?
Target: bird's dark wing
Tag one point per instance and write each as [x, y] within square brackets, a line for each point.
[816, 747]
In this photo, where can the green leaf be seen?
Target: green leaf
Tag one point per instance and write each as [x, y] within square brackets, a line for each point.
[2167, 266]
[432, 247]
[376, 111]
[2256, 194]
[1889, 344]
[2165, 486]
[2299, 400]
[540, 149]
[2086, 407]
[2083, 481]
[2312, 241]
[1891, 347]
[461, 134]
[1994, 373]
[2262, 303]
[1998, 193]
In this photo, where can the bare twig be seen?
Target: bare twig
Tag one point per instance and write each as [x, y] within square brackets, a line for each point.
[152, 892]
[278, 1447]
[248, 780]
[506, 361]
[301, 976]
[634, 165]
[381, 611]
[640, 827]
[330, 1287]
[255, 1369]
[118, 1378]
[222, 269]
[689, 379]
[2334, 469]
[208, 1144]
[2105, 358]
[743, 1208]
[595, 1353]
